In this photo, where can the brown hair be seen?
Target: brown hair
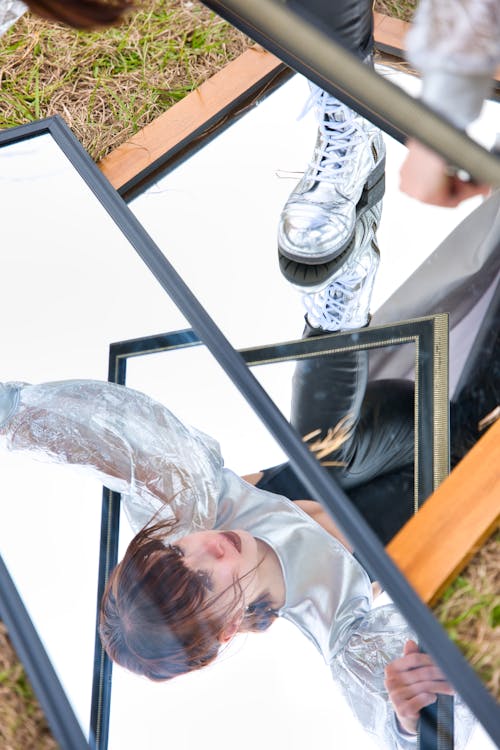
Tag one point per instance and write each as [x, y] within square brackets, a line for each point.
[155, 617]
[81, 14]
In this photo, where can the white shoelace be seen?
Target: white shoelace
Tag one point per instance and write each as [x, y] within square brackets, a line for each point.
[340, 136]
[327, 308]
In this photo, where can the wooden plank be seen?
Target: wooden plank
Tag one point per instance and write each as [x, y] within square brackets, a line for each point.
[454, 522]
[187, 116]
[390, 33]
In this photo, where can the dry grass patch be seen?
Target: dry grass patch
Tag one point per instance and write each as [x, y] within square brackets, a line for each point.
[109, 84]
[22, 723]
[402, 9]
[470, 612]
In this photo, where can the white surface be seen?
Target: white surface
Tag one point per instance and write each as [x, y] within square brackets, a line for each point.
[70, 285]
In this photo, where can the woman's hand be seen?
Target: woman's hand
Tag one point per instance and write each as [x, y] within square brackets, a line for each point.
[414, 682]
[425, 176]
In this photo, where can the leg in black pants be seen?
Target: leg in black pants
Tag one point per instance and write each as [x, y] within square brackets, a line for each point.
[349, 21]
[377, 456]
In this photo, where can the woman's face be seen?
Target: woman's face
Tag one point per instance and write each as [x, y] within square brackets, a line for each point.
[220, 558]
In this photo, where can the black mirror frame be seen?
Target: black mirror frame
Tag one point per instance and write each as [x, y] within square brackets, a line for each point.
[429, 336]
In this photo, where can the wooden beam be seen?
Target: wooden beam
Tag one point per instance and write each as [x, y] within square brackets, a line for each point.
[390, 34]
[438, 542]
[188, 116]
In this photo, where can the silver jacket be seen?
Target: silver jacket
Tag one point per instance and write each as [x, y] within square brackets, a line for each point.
[139, 448]
[455, 44]
[10, 11]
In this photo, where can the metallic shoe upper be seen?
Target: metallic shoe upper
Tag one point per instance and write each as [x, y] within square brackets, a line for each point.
[345, 303]
[318, 218]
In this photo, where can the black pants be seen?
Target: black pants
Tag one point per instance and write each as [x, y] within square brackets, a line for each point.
[377, 457]
[378, 454]
[348, 21]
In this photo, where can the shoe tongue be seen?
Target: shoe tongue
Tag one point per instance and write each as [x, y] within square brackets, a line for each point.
[336, 148]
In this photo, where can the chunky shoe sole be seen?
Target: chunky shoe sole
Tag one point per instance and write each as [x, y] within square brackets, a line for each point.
[314, 276]
[373, 192]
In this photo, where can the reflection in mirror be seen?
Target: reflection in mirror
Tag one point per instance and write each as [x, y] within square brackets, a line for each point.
[75, 308]
[177, 374]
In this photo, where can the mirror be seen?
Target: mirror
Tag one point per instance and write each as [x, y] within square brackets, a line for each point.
[245, 248]
[71, 285]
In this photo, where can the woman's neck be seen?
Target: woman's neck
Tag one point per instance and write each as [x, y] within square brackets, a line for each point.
[270, 575]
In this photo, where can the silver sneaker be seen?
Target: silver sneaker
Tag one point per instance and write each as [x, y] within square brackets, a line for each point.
[345, 303]
[344, 178]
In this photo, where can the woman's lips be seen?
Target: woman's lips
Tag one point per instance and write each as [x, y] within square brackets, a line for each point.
[234, 539]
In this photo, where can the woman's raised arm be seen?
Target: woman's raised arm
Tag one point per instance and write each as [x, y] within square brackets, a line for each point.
[133, 444]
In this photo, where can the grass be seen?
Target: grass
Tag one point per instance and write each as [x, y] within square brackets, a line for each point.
[469, 611]
[402, 9]
[109, 84]
[22, 723]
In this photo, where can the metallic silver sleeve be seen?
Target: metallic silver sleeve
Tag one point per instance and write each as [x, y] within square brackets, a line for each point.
[455, 44]
[359, 668]
[129, 442]
[459, 36]
[10, 11]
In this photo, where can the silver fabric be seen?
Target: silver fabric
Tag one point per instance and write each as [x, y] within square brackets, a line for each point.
[455, 44]
[458, 36]
[322, 600]
[345, 303]
[318, 219]
[10, 12]
[138, 447]
[130, 443]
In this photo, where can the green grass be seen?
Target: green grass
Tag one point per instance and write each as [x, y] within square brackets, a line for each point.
[109, 84]
[402, 9]
[469, 610]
